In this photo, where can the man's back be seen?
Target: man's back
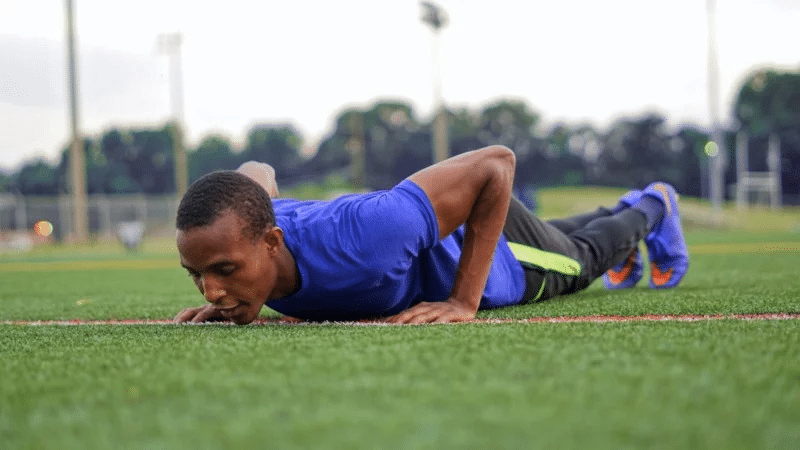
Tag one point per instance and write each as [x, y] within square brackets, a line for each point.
[377, 254]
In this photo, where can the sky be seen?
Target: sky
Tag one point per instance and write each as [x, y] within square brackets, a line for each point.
[302, 62]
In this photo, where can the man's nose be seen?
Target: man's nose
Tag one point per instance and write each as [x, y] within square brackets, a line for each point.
[212, 290]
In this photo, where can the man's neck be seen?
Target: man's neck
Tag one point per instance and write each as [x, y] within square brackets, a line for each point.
[288, 279]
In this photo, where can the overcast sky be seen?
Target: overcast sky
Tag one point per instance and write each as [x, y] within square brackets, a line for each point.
[248, 62]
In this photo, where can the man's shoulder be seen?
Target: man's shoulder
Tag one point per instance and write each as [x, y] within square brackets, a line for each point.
[400, 213]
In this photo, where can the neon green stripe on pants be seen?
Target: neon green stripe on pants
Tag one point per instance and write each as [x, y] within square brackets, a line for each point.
[548, 261]
[552, 262]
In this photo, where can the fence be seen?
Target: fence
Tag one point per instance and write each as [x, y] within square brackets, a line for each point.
[105, 213]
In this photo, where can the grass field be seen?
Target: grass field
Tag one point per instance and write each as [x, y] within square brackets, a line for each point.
[732, 384]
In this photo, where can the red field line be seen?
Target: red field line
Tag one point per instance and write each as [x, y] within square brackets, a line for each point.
[663, 317]
[560, 319]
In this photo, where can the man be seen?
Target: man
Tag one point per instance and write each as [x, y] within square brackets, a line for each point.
[443, 243]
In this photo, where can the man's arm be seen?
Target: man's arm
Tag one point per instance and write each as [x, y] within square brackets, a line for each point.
[263, 174]
[474, 189]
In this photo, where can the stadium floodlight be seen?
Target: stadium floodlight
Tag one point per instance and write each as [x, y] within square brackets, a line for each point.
[433, 15]
[436, 17]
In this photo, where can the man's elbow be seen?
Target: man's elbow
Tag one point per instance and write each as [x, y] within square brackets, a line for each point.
[503, 161]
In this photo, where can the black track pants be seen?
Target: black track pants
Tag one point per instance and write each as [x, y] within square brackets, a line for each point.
[596, 241]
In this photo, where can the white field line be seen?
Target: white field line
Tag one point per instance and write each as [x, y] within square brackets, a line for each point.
[562, 319]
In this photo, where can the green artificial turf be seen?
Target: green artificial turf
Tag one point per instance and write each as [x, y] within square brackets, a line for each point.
[723, 384]
[744, 273]
[729, 384]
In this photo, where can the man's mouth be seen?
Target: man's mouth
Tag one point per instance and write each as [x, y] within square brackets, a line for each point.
[236, 314]
[228, 311]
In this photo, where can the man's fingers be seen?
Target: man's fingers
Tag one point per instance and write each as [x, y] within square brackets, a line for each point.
[398, 318]
[453, 318]
[186, 314]
[435, 312]
[289, 319]
[206, 314]
[425, 314]
[409, 315]
[198, 315]
[437, 316]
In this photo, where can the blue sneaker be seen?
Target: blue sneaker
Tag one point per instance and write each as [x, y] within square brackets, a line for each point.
[627, 273]
[666, 246]
[627, 200]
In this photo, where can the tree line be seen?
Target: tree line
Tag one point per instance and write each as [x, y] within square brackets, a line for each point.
[389, 142]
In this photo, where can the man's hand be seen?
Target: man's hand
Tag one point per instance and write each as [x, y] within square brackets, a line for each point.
[434, 312]
[207, 313]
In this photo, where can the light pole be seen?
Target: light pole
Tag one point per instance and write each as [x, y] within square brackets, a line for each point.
[77, 165]
[170, 44]
[717, 153]
[436, 18]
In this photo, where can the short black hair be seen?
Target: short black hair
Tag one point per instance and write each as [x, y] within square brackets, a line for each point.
[213, 194]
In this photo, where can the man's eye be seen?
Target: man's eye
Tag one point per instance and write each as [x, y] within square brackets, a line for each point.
[226, 270]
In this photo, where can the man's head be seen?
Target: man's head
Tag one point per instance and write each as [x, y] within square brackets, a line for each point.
[229, 244]
[218, 192]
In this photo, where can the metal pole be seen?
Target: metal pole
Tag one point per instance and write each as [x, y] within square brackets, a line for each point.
[717, 163]
[441, 150]
[20, 213]
[742, 179]
[80, 229]
[435, 17]
[355, 145]
[775, 171]
[171, 45]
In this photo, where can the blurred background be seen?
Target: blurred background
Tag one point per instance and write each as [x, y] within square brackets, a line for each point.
[108, 110]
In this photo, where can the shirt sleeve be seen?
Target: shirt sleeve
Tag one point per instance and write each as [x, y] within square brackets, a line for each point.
[423, 217]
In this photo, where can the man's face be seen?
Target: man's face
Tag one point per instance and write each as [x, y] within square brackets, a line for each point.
[235, 273]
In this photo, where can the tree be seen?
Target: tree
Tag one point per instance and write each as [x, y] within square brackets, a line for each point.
[769, 103]
[36, 178]
[278, 146]
[213, 153]
[464, 127]
[153, 166]
[116, 147]
[390, 152]
[5, 181]
[564, 153]
[636, 152]
[389, 137]
[510, 123]
[138, 160]
[336, 151]
[689, 143]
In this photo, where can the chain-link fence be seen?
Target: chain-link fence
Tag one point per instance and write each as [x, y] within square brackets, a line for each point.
[105, 213]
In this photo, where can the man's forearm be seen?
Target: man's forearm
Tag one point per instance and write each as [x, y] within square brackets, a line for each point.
[471, 189]
[482, 232]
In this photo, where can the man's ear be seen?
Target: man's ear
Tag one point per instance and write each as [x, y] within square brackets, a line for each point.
[273, 238]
